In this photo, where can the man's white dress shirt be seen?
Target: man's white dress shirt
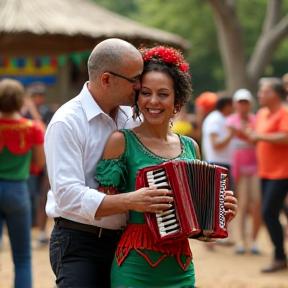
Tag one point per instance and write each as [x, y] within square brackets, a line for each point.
[74, 143]
[214, 123]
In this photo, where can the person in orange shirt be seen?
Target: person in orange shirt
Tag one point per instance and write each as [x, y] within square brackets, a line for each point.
[271, 135]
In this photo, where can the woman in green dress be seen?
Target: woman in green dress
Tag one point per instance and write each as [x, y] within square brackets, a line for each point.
[165, 87]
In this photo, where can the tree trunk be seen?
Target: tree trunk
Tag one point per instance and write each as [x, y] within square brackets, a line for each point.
[231, 44]
[238, 72]
[272, 34]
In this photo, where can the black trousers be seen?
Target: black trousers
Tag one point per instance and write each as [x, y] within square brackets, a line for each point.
[81, 259]
[273, 196]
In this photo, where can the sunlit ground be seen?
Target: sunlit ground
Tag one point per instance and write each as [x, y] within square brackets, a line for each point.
[220, 268]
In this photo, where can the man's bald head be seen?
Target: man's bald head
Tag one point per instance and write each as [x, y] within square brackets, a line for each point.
[108, 55]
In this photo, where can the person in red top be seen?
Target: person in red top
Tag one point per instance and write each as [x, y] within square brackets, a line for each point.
[271, 136]
[21, 151]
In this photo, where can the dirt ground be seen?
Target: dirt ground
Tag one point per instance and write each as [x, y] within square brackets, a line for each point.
[220, 268]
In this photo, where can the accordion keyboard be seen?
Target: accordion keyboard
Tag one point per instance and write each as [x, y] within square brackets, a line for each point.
[167, 220]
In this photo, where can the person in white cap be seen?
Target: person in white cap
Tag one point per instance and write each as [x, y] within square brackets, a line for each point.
[244, 171]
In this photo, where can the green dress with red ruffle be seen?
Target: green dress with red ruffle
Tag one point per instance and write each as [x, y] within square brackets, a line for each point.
[140, 262]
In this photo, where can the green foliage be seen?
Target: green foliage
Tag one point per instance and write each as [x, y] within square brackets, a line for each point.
[278, 64]
[123, 7]
[251, 15]
[193, 20]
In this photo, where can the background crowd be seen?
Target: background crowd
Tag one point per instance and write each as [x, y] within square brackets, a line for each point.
[248, 134]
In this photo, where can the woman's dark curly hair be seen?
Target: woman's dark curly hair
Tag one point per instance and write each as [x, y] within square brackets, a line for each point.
[170, 61]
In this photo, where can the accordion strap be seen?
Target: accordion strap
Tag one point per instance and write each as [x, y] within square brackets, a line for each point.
[139, 237]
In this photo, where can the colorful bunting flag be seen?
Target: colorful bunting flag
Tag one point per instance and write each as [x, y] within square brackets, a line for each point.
[39, 65]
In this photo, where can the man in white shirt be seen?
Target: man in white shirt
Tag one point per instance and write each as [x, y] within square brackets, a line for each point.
[88, 223]
[216, 146]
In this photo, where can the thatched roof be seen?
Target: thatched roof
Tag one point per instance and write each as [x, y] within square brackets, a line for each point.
[59, 26]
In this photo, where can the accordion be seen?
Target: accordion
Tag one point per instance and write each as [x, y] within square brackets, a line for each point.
[198, 192]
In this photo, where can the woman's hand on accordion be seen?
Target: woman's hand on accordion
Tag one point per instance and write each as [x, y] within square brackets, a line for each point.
[149, 199]
[230, 205]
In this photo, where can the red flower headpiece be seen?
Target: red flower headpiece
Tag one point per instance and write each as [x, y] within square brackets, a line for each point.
[168, 55]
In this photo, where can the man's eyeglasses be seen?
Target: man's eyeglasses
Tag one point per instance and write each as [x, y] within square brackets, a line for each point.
[131, 80]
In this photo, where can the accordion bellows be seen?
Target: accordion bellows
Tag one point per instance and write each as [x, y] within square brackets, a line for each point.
[198, 193]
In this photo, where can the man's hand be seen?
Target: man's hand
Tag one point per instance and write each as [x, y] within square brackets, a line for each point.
[230, 204]
[149, 200]
[251, 135]
[143, 200]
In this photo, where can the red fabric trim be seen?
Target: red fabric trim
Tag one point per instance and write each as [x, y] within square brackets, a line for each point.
[139, 236]
[148, 260]
[19, 135]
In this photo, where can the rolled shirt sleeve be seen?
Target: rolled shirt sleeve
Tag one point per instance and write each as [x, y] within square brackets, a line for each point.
[63, 150]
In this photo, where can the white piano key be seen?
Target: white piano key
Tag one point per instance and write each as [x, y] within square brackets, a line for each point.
[164, 232]
[167, 223]
[173, 226]
[155, 173]
[159, 185]
[163, 219]
[153, 180]
[166, 212]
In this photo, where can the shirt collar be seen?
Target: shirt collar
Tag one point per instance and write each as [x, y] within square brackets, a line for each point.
[92, 109]
[89, 105]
